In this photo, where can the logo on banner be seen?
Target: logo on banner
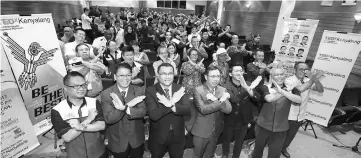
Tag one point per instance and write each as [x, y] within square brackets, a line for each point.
[334, 40]
[28, 77]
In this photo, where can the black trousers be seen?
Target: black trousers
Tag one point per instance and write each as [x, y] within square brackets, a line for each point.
[130, 152]
[291, 133]
[275, 142]
[174, 147]
[238, 134]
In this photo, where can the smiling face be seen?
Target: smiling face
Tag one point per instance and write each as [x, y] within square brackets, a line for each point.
[123, 77]
[292, 50]
[283, 49]
[301, 70]
[112, 46]
[166, 75]
[163, 52]
[76, 87]
[128, 57]
[304, 39]
[193, 55]
[278, 75]
[237, 72]
[259, 56]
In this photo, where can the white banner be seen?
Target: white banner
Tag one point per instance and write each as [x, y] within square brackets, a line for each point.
[336, 56]
[17, 133]
[32, 47]
[294, 41]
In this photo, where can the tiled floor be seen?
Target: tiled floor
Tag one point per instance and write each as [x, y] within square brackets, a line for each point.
[303, 146]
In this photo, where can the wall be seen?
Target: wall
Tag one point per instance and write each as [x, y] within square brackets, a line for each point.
[334, 18]
[61, 10]
[116, 3]
[260, 17]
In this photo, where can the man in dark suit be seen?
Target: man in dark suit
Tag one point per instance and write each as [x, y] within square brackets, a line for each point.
[124, 109]
[211, 100]
[165, 105]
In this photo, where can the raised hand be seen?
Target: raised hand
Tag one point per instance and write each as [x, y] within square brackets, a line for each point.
[135, 72]
[316, 75]
[224, 97]
[190, 61]
[164, 100]
[200, 62]
[211, 97]
[135, 101]
[75, 124]
[178, 95]
[278, 88]
[117, 102]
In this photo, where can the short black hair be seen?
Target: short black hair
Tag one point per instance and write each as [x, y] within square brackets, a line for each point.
[211, 68]
[298, 63]
[165, 65]
[283, 46]
[80, 44]
[293, 48]
[69, 75]
[301, 49]
[204, 30]
[124, 65]
[79, 29]
[305, 36]
[127, 49]
[164, 23]
[296, 36]
[234, 65]
[85, 9]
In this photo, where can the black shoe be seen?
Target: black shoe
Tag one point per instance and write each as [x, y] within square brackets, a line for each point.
[285, 153]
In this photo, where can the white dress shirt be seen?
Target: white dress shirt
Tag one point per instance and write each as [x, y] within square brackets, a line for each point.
[100, 43]
[298, 113]
[85, 22]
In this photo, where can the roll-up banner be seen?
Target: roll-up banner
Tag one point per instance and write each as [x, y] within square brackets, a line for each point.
[293, 44]
[32, 47]
[17, 133]
[336, 56]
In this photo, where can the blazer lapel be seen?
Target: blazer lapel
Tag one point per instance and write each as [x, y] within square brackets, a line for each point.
[159, 89]
[173, 89]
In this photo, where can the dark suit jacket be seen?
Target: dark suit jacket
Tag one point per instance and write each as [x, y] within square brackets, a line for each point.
[163, 118]
[123, 128]
[241, 105]
[210, 113]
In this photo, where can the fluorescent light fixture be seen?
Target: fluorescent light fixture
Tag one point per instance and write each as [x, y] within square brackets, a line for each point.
[357, 17]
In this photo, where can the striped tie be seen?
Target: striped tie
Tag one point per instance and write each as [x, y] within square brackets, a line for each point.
[166, 91]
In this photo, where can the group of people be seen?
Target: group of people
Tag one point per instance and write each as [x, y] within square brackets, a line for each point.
[224, 87]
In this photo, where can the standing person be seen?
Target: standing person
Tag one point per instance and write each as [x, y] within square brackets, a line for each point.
[220, 61]
[78, 120]
[236, 123]
[257, 69]
[124, 110]
[111, 58]
[235, 51]
[192, 70]
[86, 24]
[166, 108]
[211, 100]
[252, 46]
[119, 38]
[100, 43]
[298, 112]
[137, 68]
[272, 123]
[225, 35]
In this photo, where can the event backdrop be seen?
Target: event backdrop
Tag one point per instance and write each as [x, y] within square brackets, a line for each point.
[335, 49]
[17, 133]
[32, 47]
[294, 42]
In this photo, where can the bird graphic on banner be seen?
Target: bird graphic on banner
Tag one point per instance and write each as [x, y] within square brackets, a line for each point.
[28, 77]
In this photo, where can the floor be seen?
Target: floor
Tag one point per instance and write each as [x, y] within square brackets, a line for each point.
[303, 146]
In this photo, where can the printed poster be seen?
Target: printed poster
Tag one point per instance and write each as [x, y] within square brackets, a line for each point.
[17, 133]
[294, 43]
[32, 48]
[335, 49]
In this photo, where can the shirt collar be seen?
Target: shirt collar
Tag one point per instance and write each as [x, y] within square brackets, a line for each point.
[170, 89]
[71, 104]
[126, 90]
[237, 86]
[283, 86]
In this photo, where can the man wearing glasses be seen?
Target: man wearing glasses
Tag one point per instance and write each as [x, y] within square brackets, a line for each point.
[211, 100]
[69, 48]
[298, 112]
[78, 120]
[166, 108]
[124, 110]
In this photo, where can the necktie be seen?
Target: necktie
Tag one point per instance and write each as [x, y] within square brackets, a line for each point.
[166, 91]
[122, 96]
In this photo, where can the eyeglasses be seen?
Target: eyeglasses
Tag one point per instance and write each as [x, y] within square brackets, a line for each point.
[77, 87]
[124, 76]
[80, 34]
[166, 74]
[215, 76]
